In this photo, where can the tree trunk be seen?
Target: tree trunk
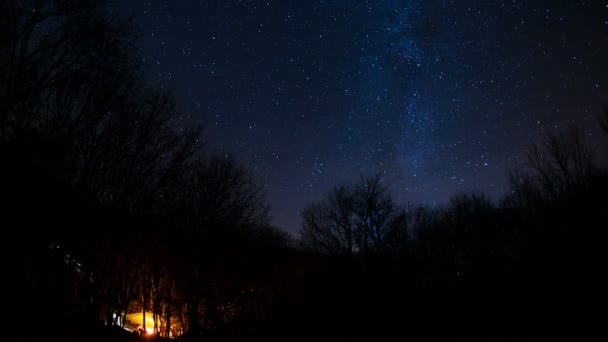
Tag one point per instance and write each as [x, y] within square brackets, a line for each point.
[168, 312]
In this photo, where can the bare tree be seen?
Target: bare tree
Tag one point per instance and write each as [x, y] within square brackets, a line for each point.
[374, 208]
[316, 232]
[47, 44]
[565, 162]
[223, 194]
[329, 226]
[362, 218]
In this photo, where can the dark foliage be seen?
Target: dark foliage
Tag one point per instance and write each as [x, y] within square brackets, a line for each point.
[111, 205]
[528, 267]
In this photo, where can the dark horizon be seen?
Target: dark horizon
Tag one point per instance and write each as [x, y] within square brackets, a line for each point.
[381, 135]
[438, 97]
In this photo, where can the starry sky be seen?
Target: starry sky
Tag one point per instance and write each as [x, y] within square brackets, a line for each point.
[439, 96]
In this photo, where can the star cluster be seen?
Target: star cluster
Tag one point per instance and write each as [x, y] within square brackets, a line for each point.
[440, 96]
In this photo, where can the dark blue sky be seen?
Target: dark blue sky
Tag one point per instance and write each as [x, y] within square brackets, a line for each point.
[440, 96]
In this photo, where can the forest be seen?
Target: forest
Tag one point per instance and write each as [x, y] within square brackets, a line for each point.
[116, 215]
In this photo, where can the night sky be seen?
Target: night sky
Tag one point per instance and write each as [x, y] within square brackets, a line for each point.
[440, 96]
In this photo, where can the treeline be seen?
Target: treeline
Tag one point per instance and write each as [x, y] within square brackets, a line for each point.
[364, 219]
[529, 266]
[112, 205]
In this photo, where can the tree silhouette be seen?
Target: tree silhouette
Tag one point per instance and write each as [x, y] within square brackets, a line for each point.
[360, 219]
[85, 138]
[120, 208]
[329, 226]
[565, 163]
[374, 208]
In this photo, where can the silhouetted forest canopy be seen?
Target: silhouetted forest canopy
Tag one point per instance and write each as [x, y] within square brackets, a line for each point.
[114, 211]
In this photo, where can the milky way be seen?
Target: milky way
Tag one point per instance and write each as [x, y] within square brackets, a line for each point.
[440, 96]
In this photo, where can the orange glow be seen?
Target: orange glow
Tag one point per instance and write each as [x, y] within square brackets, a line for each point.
[137, 318]
[133, 322]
